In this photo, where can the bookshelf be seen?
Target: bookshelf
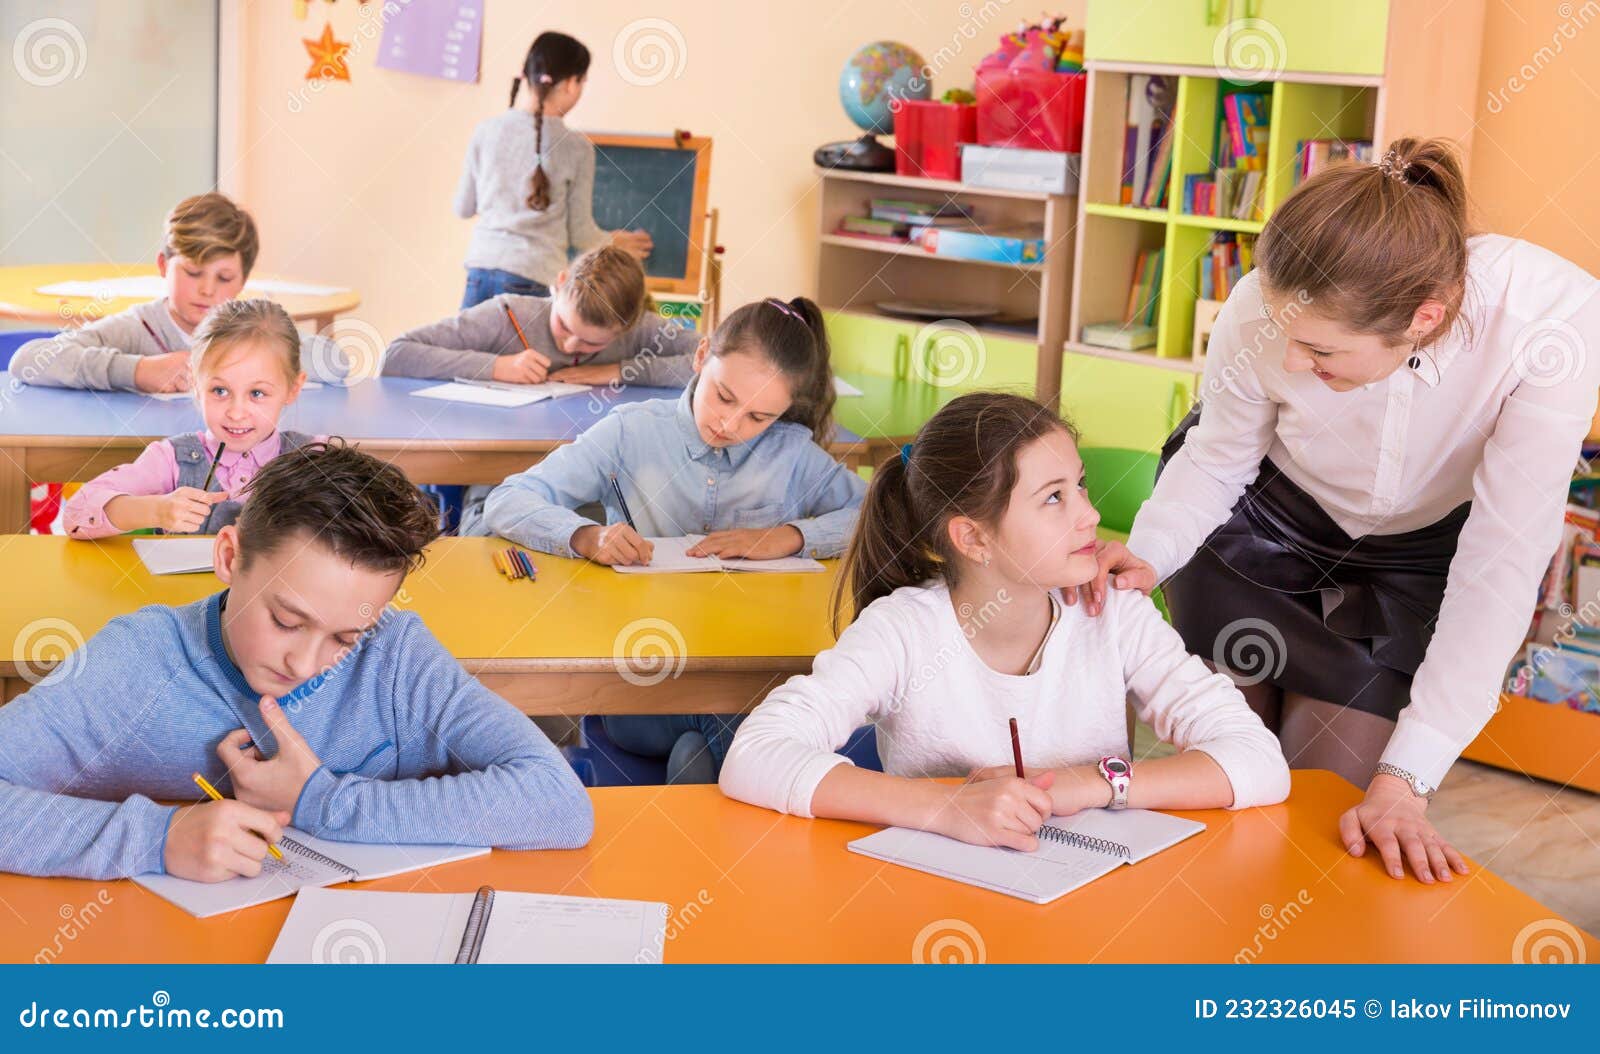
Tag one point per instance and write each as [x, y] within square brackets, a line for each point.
[1021, 349]
[1371, 69]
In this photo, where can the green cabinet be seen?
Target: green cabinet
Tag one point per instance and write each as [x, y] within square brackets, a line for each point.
[1263, 37]
[1123, 404]
[1176, 32]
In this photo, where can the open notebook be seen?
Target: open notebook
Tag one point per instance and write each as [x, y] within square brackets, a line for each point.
[175, 556]
[307, 861]
[339, 925]
[671, 558]
[1073, 851]
[490, 393]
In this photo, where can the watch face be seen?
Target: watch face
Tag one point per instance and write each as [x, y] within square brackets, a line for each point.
[1116, 766]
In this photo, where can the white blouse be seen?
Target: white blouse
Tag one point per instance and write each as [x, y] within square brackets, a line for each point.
[907, 666]
[1495, 413]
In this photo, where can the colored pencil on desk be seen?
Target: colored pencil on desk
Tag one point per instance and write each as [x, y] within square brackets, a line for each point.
[1016, 750]
[527, 563]
[216, 795]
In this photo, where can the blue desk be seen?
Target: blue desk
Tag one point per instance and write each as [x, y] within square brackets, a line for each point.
[55, 434]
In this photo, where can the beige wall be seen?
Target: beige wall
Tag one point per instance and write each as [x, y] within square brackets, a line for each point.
[352, 182]
[1536, 154]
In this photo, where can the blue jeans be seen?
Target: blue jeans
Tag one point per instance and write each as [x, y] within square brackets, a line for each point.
[693, 744]
[485, 283]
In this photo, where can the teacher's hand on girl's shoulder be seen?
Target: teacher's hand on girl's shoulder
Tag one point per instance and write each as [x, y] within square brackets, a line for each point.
[1118, 566]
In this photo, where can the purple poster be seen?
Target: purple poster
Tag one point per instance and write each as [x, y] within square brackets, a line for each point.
[435, 38]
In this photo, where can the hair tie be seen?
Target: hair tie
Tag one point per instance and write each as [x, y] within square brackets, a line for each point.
[545, 78]
[905, 454]
[1392, 166]
[785, 308]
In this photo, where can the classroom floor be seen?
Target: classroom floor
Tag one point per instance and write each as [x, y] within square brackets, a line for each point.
[1540, 837]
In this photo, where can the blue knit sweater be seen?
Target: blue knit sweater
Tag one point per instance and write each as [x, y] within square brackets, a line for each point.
[413, 749]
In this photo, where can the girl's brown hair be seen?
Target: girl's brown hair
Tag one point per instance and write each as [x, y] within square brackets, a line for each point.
[962, 463]
[552, 58]
[605, 286]
[234, 321]
[793, 337]
[1369, 243]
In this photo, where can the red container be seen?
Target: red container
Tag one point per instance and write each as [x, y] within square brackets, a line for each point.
[928, 137]
[1031, 109]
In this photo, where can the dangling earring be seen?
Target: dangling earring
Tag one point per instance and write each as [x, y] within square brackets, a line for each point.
[985, 559]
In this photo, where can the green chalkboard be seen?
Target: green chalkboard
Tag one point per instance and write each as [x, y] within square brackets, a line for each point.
[657, 183]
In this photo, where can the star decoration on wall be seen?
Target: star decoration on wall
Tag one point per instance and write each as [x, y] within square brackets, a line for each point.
[327, 56]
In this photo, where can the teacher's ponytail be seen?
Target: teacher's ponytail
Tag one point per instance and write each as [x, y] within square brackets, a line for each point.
[553, 58]
[1367, 243]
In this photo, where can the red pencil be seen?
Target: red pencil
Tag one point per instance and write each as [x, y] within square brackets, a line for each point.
[1016, 749]
[156, 337]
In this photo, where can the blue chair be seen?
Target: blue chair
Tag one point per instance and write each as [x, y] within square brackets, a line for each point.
[11, 340]
[599, 762]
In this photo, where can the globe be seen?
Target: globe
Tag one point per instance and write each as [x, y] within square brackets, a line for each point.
[874, 76]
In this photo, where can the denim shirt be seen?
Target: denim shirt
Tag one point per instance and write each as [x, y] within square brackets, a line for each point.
[675, 483]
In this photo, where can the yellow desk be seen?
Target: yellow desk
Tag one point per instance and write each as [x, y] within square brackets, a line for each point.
[1266, 885]
[20, 301]
[582, 639]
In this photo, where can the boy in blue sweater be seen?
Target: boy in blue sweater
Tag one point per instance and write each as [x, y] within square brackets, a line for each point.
[298, 691]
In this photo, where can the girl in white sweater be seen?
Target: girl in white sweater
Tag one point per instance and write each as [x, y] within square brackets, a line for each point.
[954, 577]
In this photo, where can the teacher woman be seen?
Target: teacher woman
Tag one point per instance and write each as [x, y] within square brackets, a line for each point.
[1355, 520]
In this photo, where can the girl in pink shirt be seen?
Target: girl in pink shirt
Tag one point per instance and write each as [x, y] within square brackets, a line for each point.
[246, 363]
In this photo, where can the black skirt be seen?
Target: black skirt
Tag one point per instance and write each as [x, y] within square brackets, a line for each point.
[1281, 594]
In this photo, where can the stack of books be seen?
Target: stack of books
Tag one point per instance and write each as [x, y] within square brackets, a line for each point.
[1233, 188]
[892, 220]
[1148, 140]
[1138, 326]
[1229, 260]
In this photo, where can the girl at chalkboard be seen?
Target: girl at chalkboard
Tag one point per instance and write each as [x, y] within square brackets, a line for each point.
[530, 181]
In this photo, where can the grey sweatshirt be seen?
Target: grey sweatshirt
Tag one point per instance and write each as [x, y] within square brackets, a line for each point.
[102, 355]
[657, 352]
[495, 180]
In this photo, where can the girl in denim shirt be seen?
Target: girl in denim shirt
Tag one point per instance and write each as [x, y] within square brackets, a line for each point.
[735, 458]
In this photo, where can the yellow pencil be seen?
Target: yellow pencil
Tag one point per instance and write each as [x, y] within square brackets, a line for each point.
[216, 795]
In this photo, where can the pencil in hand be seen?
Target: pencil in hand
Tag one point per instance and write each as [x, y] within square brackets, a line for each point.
[216, 795]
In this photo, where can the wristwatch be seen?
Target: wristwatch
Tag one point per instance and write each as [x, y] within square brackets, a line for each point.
[1415, 782]
[1119, 774]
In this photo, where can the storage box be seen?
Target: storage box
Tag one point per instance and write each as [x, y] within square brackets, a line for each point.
[1022, 245]
[1031, 109]
[1008, 168]
[928, 137]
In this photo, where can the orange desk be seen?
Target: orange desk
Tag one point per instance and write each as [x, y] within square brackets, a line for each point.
[21, 301]
[582, 639]
[1546, 740]
[747, 885]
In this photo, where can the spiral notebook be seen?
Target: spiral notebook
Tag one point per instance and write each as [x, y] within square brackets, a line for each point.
[1073, 851]
[307, 861]
[358, 926]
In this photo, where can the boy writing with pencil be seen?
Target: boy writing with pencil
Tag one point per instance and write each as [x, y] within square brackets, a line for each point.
[298, 690]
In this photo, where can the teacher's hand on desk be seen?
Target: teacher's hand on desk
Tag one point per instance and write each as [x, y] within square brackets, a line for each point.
[1394, 819]
[1121, 567]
